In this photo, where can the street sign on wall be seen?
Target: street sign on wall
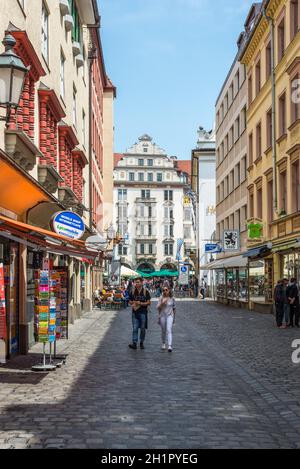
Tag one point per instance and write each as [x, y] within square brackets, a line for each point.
[184, 271]
[68, 224]
[213, 248]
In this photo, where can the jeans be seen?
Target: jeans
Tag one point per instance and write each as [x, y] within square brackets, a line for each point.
[286, 310]
[138, 322]
[166, 324]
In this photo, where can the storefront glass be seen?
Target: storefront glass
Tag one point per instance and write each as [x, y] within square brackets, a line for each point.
[232, 284]
[220, 283]
[290, 266]
[261, 281]
[243, 285]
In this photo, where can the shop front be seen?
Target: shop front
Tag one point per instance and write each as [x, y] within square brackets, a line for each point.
[261, 279]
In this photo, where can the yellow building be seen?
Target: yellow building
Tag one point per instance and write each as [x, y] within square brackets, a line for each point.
[273, 151]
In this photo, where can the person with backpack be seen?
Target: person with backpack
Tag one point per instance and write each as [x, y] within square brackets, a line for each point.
[279, 303]
[166, 317]
[292, 293]
[140, 300]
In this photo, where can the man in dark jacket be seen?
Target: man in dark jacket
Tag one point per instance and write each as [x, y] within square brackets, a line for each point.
[292, 293]
[140, 300]
[279, 302]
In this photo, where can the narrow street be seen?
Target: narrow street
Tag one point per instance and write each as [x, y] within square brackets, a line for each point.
[229, 383]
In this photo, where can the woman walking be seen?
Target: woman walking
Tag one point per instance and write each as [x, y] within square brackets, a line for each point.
[166, 316]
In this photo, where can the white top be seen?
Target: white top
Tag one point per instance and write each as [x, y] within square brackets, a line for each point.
[168, 308]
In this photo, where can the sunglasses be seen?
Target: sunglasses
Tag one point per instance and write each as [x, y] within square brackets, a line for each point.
[165, 289]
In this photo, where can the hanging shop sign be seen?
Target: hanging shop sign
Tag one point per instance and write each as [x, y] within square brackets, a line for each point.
[213, 248]
[231, 240]
[68, 224]
[255, 231]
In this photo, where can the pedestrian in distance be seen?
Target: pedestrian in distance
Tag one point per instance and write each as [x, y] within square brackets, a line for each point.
[140, 300]
[166, 317]
[292, 294]
[279, 303]
[286, 306]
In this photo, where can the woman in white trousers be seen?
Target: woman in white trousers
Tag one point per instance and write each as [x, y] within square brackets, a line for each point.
[166, 317]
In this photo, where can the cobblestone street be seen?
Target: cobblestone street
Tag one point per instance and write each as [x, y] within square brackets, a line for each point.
[230, 383]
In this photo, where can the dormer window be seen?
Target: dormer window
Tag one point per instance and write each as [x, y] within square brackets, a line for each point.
[145, 150]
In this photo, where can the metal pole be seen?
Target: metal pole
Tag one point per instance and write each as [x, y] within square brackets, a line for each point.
[273, 77]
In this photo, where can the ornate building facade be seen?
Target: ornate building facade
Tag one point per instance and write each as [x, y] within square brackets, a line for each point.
[151, 211]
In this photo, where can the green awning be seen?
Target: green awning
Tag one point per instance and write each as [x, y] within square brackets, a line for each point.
[285, 247]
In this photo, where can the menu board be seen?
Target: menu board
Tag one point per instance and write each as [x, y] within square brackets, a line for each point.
[3, 329]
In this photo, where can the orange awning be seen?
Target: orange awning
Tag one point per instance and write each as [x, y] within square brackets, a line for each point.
[18, 191]
[48, 240]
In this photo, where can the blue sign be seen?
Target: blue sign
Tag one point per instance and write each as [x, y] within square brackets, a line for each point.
[183, 269]
[213, 248]
[68, 224]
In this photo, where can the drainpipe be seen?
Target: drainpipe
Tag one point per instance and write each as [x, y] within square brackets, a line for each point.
[273, 76]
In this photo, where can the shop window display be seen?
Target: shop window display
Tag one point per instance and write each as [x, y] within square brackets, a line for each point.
[291, 266]
[232, 284]
[261, 281]
[243, 284]
[220, 283]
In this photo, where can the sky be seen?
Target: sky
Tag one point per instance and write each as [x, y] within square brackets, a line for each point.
[168, 60]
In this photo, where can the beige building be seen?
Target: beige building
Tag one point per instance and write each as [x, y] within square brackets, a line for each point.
[231, 183]
[273, 150]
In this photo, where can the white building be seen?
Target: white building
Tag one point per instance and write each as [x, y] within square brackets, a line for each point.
[149, 206]
[204, 184]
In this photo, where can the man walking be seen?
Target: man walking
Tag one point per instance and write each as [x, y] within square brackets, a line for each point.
[139, 299]
[279, 303]
[292, 294]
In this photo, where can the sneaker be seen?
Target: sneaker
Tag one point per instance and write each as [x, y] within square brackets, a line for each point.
[169, 349]
[133, 346]
[163, 347]
[142, 345]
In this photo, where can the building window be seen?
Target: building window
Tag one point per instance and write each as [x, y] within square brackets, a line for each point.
[283, 191]
[282, 114]
[62, 75]
[244, 119]
[76, 31]
[237, 129]
[251, 205]
[244, 169]
[294, 18]
[281, 39]
[131, 177]
[150, 211]
[169, 195]
[141, 162]
[269, 128]
[145, 194]
[295, 195]
[122, 194]
[150, 177]
[159, 177]
[237, 82]
[250, 95]
[74, 107]
[45, 33]
[258, 141]
[141, 177]
[238, 175]
[150, 162]
[268, 60]
[187, 232]
[169, 249]
[259, 203]
[257, 78]
[150, 248]
[145, 150]
[250, 149]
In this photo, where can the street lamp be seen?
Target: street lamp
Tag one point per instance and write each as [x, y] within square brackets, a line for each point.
[12, 77]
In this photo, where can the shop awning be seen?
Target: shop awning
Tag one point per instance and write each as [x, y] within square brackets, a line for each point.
[43, 239]
[18, 190]
[258, 251]
[285, 246]
[226, 263]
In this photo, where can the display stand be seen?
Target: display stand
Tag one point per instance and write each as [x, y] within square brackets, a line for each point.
[43, 366]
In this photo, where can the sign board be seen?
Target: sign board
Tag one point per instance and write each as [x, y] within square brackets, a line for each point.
[231, 240]
[115, 275]
[255, 231]
[213, 248]
[68, 224]
[184, 271]
[180, 243]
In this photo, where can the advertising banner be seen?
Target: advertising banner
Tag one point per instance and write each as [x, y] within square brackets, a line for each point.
[68, 224]
[231, 240]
